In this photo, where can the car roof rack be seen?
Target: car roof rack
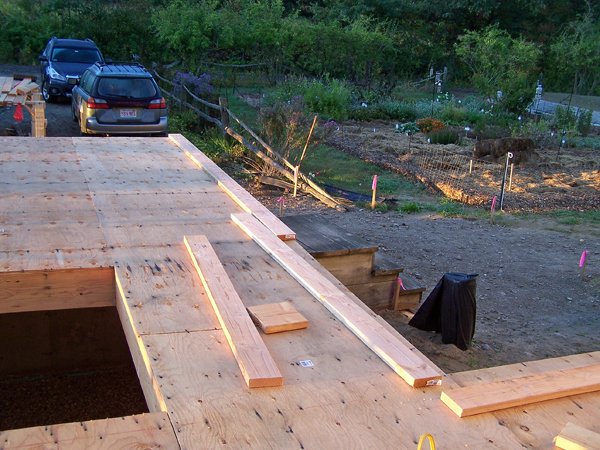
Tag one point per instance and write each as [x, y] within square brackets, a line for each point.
[120, 63]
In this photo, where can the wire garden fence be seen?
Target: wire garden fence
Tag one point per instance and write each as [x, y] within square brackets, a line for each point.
[459, 176]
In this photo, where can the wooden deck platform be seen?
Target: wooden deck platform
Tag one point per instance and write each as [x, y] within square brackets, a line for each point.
[364, 271]
[125, 205]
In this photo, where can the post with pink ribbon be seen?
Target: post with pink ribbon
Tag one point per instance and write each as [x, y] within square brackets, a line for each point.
[374, 188]
[582, 263]
[281, 203]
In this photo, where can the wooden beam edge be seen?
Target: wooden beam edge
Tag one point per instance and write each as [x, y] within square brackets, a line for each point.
[150, 386]
[419, 374]
[276, 379]
[575, 437]
[239, 195]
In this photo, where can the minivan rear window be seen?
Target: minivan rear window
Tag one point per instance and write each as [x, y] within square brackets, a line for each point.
[131, 88]
[75, 55]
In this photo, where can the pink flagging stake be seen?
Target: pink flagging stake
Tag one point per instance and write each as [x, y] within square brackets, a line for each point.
[374, 186]
[583, 259]
[494, 200]
[400, 283]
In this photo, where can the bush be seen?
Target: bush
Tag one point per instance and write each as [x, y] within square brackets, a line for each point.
[330, 98]
[183, 121]
[453, 115]
[407, 128]
[423, 108]
[444, 137]
[584, 122]
[565, 118]
[429, 124]
[388, 110]
[401, 111]
[214, 145]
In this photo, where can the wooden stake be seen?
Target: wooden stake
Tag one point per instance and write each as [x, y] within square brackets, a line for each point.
[512, 166]
[296, 170]
[312, 127]
[374, 188]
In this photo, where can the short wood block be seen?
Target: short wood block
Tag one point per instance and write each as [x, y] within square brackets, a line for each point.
[277, 317]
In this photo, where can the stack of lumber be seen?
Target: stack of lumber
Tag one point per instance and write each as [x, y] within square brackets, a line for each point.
[16, 91]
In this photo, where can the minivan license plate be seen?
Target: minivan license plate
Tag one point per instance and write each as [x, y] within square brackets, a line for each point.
[128, 113]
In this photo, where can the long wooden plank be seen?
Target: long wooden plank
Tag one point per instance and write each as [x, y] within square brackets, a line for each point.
[253, 357]
[234, 190]
[493, 396]
[574, 437]
[141, 431]
[414, 370]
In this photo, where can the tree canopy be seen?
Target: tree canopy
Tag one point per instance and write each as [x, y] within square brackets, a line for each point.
[496, 45]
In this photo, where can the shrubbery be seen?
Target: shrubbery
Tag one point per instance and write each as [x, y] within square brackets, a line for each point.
[330, 98]
[444, 137]
[429, 124]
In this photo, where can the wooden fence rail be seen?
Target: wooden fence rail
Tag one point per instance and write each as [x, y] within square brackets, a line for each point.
[270, 156]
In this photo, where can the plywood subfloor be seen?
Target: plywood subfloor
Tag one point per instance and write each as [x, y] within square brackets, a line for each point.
[127, 203]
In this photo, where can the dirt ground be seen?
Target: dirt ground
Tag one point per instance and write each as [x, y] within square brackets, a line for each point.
[532, 300]
[553, 178]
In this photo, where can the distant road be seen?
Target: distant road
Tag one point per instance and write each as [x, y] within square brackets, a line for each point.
[547, 108]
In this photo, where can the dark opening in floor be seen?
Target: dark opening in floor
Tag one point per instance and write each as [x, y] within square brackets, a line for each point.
[65, 365]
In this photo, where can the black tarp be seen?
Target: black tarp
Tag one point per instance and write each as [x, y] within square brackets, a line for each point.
[450, 309]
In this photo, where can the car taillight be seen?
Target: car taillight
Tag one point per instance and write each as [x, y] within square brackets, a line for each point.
[96, 103]
[159, 103]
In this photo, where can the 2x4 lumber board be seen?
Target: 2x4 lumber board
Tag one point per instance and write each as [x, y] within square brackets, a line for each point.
[256, 363]
[6, 84]
[45, 290]
[414, 370]
[508, 393]
[574, 437]
[234, 190]
[27, 88]
[20, 84]
[141, 431]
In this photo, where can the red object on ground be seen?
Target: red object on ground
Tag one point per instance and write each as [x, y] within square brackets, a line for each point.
[18, 115]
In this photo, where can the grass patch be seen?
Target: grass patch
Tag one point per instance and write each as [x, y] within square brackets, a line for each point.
[245, 112]
[336, 168]
[410, 208]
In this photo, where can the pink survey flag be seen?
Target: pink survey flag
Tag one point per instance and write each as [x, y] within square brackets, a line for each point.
[583, 259]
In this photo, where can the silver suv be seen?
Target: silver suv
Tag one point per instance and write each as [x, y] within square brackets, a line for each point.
[118, 98]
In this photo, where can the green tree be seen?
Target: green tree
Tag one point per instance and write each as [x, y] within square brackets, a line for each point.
[497, 61]
[575, 58]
